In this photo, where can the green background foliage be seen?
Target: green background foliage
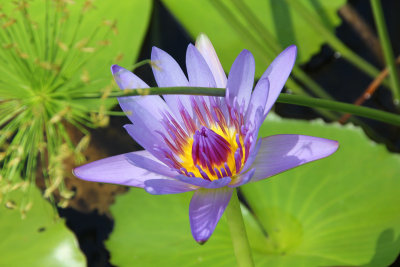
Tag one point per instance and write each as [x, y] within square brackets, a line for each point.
[277, 16]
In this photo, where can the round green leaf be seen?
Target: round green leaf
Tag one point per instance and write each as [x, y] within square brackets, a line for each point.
[339, 211]
[38, 238]
[277, 16]
[156, 232]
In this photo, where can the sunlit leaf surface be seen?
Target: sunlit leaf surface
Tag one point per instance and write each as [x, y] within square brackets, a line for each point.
[339, 211]
[37, 238]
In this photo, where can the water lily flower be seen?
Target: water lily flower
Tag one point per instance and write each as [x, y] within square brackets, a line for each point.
[204, 144]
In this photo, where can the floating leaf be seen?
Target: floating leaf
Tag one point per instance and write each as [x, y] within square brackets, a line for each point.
[38, 238]
[339, 211]
[341, 208]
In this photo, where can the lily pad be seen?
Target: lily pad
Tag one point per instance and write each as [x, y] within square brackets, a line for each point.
[38, 238]
[339, 211]
[277, 16]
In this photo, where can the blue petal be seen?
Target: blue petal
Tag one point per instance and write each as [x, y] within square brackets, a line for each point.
[220, 182]
[168, 73]
[127, 80]
[277, 73]
[241, 79]
[207, 50]
[205, 210]
[150, 164]
[149, 140]
[198, 71]
[258, 100]
[163, 187]
[118, 170]
[279, 153]
[242, 178]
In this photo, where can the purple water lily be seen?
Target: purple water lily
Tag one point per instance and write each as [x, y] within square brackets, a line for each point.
[202, 143]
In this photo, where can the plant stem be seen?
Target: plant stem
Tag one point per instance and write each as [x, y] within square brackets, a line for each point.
[340, 107]
[161, 91]
[240, 242]
[283, 98]
[387, 48]
[372, 87]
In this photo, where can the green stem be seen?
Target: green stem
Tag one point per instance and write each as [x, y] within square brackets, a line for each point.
[340, 107]
[240, 242]
[387, 48]
[283, 98]
[160, 91]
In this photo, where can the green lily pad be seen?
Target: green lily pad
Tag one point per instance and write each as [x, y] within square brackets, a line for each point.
[277, 16]
[38, 238]
[339, 211]
[156, 232]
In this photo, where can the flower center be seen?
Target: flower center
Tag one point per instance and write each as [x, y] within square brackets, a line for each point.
[209, 148]
[212, 153]
[214, 145]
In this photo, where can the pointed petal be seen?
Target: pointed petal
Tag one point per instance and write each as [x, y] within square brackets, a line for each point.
[242, 178]
[241, 79]
[127, 80]
[198, 71]
[277, 73]
[258, 99]
[168, 73]
[207, 50]
[205, 210]
[197, 181]
[279, 153]
[117, 170]
[148, 140]
[153, 105]
[253, 129]
[252, 156]
[200, 75]
[151, 164]
[219, 183]
[163, 187]
[147, 128]
[200, 182]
